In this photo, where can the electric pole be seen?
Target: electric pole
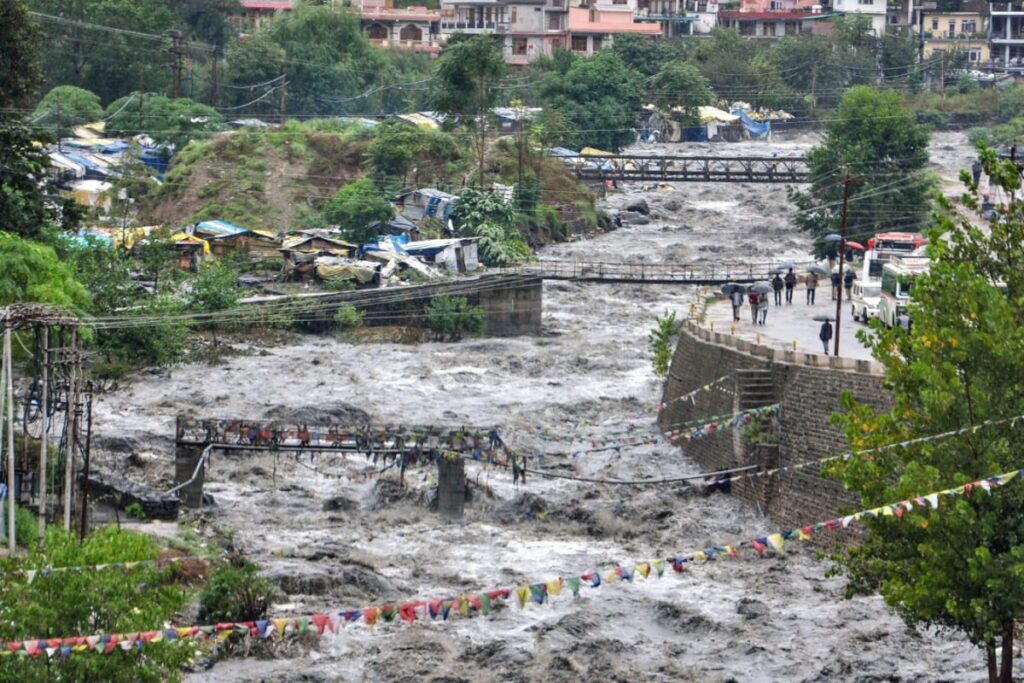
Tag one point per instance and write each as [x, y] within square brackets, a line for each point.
[282, 98]
[178, 52]
[847, 182]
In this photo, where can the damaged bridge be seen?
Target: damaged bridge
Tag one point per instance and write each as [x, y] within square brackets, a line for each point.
[696, 169]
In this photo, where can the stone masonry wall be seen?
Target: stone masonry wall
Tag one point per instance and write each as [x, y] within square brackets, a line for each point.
[808, 388]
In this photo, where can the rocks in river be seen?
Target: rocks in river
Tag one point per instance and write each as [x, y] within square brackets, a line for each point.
[680, 619]
[638, 205]
[634, 218]
[336, 503]
[299, 578]
[751, 609]
[524, 507]
[672, 205]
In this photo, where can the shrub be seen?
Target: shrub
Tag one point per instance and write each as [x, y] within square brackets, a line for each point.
[135, 511]
[450, 317]
[660, 341]
[235, 592]
[348, 317]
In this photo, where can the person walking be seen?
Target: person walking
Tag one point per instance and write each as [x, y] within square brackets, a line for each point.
[825, 335]
[777, 288]
[976, 171]
[736, 298]
[752, 298]
[790, 281]
[812, 284]
[848, 283]
[835, 284]
[762, 306]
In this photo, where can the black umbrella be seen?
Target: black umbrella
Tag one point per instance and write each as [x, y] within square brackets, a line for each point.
[783, 267]
[818, 270]
[761, 287]
[730, 287]
[821, 317]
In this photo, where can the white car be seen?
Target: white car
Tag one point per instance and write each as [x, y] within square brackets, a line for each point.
[864, 300]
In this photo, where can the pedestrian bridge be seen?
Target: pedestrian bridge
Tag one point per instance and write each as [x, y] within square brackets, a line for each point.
[698, 169]
[652, 273]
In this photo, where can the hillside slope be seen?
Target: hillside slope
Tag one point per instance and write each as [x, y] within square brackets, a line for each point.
[258, 178]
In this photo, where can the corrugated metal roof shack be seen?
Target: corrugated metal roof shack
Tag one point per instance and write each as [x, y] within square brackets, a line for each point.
[459, 254]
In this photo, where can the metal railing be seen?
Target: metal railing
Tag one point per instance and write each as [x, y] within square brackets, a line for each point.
[653, 273]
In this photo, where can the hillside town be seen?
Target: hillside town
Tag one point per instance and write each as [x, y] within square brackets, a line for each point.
[511, 340]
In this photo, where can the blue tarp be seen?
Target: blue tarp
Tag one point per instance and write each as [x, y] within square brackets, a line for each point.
[758, 131]
[221, 228]
[395, 243]
[155, 160]
[563, 153]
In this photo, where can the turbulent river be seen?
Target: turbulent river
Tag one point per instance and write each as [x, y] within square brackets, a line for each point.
[589, 373]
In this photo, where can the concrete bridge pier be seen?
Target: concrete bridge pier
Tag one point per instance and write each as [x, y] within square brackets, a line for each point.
[451, 488]
[186, 460]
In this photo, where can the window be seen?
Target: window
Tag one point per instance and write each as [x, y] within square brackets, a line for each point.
[865, 2]
[618, 2]
[775, 4]
[792, 28]
[952, 28]
[968, 26]
[554, 22]
[579, 43]
[593, 15]
[519, 46]
[558, 3]
[557, 44]
[769, 29]
[597, 43]
[935, 24]
[514, 8]
[974, 55]
[411, 32]
[893, 19]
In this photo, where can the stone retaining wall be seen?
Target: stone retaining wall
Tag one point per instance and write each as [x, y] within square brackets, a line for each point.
[808, 387]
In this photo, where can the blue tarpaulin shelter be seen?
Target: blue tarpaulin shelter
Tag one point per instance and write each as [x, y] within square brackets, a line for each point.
[757, 130]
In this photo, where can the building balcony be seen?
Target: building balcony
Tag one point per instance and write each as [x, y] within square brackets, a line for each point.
[1000, 8]
[475, 26]
[1013, 39]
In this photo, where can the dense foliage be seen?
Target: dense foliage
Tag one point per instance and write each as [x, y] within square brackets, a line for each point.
[452, 317]
[958, 566]
[873, 140]
[488, 216]
[66, 106]
[235, 592]
[33, 273]
[164, 119]
[355, 207]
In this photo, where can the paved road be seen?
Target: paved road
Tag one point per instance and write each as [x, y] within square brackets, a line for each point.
[789, 323]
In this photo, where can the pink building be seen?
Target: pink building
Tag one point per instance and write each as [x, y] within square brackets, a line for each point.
[594, 27]
[412, 28]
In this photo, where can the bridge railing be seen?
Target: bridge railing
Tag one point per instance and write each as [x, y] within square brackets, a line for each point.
[652, 272]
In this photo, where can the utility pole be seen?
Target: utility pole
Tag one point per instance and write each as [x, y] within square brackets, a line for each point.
[282, 98]
[88, 448]
[8, 397]
[45, 403]
[846, 181]
[74, 413]
[60, 147]
[178, 52]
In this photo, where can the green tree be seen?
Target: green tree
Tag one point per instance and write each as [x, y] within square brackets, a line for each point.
[66, 106]
[95, 44]
[681, 88]
[488, 216]
[958, 566]
[451, 317]
[646, 54]
[468, 74]
[731, 64]
[329, 60]
[212, 291]
[19, 54]
[399, 148]
[255, 60]
[600, 97]
[33, 273]
[164, 119]
[354, 207]
[874, 139]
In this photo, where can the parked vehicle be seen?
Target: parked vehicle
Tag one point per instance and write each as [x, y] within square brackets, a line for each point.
[887, 246]
[864, 299]
[897, 283]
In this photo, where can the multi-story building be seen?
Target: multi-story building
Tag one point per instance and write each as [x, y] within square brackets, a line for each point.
[594, 27]
[412, 28]
[1006, 36]
[951, 32]
[770, 18]
[875, 10]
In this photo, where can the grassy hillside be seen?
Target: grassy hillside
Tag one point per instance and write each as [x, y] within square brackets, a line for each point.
[260, 178]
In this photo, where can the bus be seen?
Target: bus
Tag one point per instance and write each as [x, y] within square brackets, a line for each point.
[897, 282]
[886, 246]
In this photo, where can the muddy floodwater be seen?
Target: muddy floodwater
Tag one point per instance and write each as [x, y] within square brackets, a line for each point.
[332, 542]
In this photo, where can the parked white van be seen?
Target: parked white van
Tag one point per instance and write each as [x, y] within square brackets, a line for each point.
[864, 300]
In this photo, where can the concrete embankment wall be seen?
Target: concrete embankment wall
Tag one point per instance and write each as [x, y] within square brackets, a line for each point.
[808, 388]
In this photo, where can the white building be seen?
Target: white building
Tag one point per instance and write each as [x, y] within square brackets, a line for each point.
[875, 10]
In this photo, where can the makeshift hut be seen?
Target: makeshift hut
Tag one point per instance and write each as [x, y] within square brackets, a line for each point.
[301, 251]
[458, 254]
[399, 225]
[229, 239]
[426, 202]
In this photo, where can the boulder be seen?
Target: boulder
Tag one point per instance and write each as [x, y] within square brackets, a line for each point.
[638, 205]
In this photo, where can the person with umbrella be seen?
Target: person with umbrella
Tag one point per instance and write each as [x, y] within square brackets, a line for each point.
[835, 284]
[762, 306]
[736, 298]
[812, 284]
[777, 288]
[825, 333]
[754, 297]
[848, 282]
[790, 282]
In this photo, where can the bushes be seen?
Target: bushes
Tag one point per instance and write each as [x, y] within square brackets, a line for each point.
[235, 592]
[450, 317]
[348, 318]
[660, 341]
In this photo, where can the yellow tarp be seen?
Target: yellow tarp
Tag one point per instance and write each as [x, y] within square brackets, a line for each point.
[345, 271]
[420, 120]
[182, 237]
[707, 114]
[594, 152]
[90, 130]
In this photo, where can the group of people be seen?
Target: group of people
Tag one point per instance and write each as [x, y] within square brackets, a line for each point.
[759, 300]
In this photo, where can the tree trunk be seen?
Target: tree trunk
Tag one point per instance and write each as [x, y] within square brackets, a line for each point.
[990, 655]
[1006, 667]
